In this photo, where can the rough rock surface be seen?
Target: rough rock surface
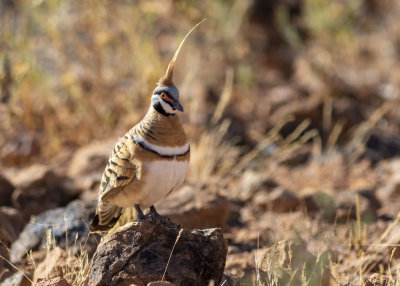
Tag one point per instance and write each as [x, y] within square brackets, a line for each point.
[70, 222]
[194, 208]
[125, 257]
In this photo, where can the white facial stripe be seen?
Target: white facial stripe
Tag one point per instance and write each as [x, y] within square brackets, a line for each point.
[167, 108]
[168, 151]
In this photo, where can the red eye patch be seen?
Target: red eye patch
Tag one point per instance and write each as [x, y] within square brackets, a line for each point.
[166, 98]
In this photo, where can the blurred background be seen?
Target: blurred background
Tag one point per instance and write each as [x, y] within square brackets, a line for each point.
[295, 95]
[73, 72]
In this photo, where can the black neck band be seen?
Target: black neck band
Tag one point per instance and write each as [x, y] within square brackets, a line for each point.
[161, 110]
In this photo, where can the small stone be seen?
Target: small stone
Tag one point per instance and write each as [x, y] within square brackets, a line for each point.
[320, 203]
[278, 200]
[21, 149]
[138, 253]
[251, 183]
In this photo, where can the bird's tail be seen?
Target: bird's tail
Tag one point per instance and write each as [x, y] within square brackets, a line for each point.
[106, 217]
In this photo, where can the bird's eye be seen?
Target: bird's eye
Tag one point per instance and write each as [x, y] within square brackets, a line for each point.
[163, 95]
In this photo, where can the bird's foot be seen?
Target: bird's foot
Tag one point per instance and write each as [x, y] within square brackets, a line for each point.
[155, 214]
[154, 211]
[139, 212]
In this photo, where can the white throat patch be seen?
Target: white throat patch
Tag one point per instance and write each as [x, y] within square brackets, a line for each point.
[167, 108]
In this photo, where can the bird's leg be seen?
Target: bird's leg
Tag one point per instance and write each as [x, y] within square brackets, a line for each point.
[139, 212]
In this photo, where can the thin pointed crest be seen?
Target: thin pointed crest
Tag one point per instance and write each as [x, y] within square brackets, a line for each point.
[166, 80]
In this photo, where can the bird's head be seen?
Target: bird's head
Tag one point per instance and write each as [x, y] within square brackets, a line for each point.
[165, 98]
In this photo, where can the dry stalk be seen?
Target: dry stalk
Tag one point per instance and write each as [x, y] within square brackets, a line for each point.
[170, 255]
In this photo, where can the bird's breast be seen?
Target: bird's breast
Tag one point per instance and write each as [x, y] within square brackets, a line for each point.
[161, 177]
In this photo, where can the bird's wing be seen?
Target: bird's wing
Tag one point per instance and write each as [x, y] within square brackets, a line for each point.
[121, 169]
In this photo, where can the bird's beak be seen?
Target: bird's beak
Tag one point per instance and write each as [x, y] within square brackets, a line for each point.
[177, 105]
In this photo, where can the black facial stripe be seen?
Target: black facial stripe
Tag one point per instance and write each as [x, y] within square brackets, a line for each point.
[158, 107]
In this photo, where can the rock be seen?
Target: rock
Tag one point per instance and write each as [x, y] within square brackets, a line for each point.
[138, 253]
[320, 203]
[70, 221]
[39, 188]
[6, 189]
[279, 200]
[251, 183]
[90, 159]
[5, 268]
[11, 223]
[87, 166]
[21, 149]
[57, 281]
[193, 208]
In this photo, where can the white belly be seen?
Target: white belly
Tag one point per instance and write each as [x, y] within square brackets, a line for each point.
[160, 179]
